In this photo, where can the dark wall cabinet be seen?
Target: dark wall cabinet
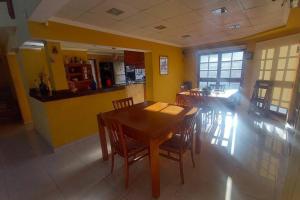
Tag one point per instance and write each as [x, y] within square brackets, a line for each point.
[134, 59]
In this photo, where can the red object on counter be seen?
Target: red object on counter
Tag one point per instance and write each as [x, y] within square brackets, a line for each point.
[108, 83]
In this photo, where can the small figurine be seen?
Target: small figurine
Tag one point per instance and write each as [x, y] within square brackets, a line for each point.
[44, 89]
[72, 86]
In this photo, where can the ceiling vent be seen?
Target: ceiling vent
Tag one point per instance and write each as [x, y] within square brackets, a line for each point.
[160, 27]
[115, 11]
[219, 11]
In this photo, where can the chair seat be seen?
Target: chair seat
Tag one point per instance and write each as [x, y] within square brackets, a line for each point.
[172, 145]
[134, 147]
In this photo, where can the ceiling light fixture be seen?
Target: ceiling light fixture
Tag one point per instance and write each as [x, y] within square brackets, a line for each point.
[233, 26]
[115, 11]
[219, 11]
[38, 44]
[160, 27]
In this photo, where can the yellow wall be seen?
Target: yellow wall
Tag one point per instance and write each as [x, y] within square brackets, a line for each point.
[72, 53]
[163, 88]
[19, 88]
[34, 62]
[75, 118]
[56, 66]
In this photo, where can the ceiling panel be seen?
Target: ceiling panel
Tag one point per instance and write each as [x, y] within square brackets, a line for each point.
[142, 4]
[168, 9]
[262, 12]
[83, 5]
[141, 20]
[97, 19]
[68, 13]
[248, 4]
[196, 4]
[181, 17]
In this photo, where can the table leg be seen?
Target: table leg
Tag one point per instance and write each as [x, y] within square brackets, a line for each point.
[198, 132]
[102, 137]
[154, 164]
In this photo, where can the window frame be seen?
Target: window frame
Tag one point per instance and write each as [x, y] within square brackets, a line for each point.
[218, 79]
[283, 84]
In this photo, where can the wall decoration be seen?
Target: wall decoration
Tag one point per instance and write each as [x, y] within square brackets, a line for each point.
[163, 65]
[54, 50]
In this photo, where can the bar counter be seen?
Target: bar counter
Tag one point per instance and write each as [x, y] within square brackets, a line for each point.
[66, 117]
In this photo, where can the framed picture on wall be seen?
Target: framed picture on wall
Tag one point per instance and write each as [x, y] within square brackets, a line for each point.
[163, 65]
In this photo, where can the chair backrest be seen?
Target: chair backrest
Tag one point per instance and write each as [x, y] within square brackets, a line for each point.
[216, 87]
[123, 103]
[195, 93]
[181, 100]
[264, 88]
[186, 130]
[116, 137]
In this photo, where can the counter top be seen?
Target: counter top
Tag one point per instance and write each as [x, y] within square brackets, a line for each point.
[67, 94]
[132, 83]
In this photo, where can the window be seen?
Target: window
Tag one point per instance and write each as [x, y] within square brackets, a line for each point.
[221, 69]
[279, 64]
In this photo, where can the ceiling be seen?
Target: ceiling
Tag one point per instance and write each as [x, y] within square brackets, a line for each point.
[180, 17]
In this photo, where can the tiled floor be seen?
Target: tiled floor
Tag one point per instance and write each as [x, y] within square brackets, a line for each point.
[241, 158]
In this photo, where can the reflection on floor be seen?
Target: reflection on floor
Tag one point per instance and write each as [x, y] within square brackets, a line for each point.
[242, 157]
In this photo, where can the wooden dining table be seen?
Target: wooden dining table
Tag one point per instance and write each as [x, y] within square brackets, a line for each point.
[228, 97]
[150, 123]
[215, 95]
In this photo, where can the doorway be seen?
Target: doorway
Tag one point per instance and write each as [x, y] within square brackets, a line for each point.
[9, 109]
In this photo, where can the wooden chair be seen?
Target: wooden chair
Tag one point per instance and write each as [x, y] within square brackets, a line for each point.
[219, 88]
[206, 110]
[195, 93]
[123, 103]
[124, 146]
[261, 97]
[181, 100]
[181, 142]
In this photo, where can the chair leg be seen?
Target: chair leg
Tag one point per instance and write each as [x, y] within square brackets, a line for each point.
[149, 157]
[181, 169]
[126, 173]
[112, 161]
[192, 155]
